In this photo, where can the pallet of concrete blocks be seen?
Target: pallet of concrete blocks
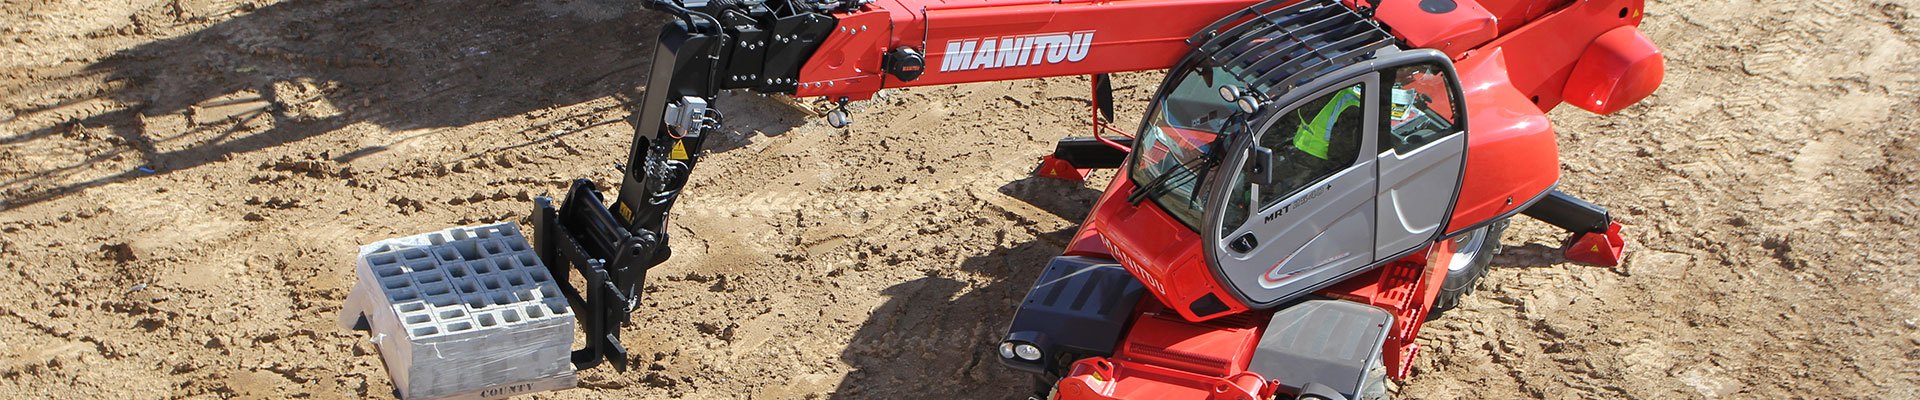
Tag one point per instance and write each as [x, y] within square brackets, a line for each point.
[467, 312]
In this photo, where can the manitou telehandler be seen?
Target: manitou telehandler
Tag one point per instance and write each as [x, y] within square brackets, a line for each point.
[1313, 180]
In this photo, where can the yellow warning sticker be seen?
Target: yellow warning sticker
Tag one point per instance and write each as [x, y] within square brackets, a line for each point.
[626, 214]
[679, 150]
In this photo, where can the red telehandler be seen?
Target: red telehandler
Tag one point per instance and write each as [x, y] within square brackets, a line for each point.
[1312, 181]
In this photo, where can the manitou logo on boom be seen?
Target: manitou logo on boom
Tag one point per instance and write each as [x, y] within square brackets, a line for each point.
[1015, 51]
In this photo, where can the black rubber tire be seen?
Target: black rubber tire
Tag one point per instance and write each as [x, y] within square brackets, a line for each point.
[1461, 282]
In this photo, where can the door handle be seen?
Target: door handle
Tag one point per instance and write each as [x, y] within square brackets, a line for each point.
[1243, 244]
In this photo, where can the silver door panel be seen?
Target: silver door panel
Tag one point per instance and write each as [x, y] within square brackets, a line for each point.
[1314, 235]
[1417, 191]
[1333, 231]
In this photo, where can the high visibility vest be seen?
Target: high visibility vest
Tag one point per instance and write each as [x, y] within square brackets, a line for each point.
[1314, 137]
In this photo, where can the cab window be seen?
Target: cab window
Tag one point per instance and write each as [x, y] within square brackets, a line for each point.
[1179, 134]
[1312, 141]
[1420, 108]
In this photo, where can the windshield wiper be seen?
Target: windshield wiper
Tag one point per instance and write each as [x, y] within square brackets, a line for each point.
[1235, 124]
[1161, 183]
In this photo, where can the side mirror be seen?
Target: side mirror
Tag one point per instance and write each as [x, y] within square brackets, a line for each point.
[1260, 166]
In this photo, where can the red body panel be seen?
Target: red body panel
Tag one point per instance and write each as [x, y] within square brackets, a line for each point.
[1618, 69]
[1119, 35]
[1453, 32]
[1552, 44]
[1087, 242]
[1512, 14]
[1167, 357]
[1164, 254]
[1511, 154]
[1510, 83]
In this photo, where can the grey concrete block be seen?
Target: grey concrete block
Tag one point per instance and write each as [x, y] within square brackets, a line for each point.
[462, 312]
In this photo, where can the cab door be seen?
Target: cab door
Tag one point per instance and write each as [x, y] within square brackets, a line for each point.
[1423, 144]
[1312, 221]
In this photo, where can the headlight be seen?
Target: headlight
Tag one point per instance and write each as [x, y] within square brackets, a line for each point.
[1006, 349]
[1027, 352]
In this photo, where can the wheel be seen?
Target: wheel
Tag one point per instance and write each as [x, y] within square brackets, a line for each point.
[1472, 252]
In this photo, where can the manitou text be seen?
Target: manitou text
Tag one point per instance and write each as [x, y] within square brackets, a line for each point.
[1015, 51]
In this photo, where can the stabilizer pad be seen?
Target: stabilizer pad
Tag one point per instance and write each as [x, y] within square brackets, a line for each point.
[1597, 248]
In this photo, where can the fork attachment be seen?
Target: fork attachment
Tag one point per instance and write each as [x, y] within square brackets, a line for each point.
[582, 235]
[756, 45]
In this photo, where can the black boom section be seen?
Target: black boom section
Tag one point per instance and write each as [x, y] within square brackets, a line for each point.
[710, 46]
[1077, 308]
[767, 41]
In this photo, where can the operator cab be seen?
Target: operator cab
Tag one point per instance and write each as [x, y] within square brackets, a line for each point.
[1298, 146]
[1300, 157]
[1279, 159]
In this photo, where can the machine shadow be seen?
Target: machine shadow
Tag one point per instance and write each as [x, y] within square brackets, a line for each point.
[1528, 255]
[1067, 200]
[941, 330]
[399, 66]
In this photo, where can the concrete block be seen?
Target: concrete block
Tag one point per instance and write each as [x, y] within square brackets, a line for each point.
[465, 312]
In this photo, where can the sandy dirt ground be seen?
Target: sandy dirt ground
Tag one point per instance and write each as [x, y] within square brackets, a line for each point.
[183, 184]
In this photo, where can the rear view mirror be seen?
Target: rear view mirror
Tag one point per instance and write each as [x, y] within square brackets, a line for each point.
[1260, 166]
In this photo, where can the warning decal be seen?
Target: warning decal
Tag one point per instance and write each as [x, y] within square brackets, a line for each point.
[679, 150]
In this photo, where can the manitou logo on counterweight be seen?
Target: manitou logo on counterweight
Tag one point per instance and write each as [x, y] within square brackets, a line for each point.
[1015, 51]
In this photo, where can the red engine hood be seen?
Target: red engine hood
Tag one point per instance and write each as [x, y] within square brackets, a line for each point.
[1162, 253]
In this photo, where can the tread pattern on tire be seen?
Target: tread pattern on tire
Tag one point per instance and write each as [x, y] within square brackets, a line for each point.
[1450, 298]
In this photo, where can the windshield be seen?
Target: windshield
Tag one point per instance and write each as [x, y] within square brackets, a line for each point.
[1183, 127]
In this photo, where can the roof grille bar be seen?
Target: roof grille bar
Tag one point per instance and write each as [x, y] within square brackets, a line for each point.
[1297, 65]
[1211, 32]
[1294, 39]
[1325, 41]
[1279, 42]
[1238, 37]
[1364, 50]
